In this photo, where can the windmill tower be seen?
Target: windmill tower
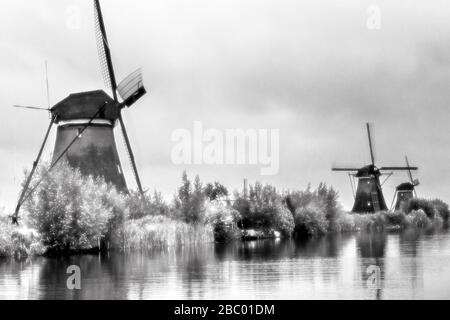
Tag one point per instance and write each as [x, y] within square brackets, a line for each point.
[85, 124]
[406, 190]
[369, 196]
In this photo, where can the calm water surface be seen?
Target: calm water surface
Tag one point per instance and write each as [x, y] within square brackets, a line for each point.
[410, 265]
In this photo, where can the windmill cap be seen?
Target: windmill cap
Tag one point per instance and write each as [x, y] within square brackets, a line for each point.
[85, 105]
[368, 171]
[407, 186]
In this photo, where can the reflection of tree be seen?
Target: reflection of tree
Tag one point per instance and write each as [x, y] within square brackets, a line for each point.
[258, 256]
[372, 245]
[327, 246]
[97, 280]
[193, 262]
[10, 272]
[256, 250]
[409, 257]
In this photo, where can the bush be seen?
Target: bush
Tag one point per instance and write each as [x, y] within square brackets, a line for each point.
[344, 222]
[324, 199]
[416, 204]
[73, 212]
[397, 218]
[264, 211]
[283, 221]
[419, 219]
[17, 242]
[223, 220]
[311, 221]
[371, 222]
[442, 209]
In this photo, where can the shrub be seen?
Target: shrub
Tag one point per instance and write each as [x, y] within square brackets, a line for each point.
[344, 222]
[416, 204]
[442, 209]
[17, 242]
[70, 211]
[371, 222]
[310, 220]
[419, 219]
[263, 209]
[223, 220]
[324, 199]
[283, 221]
[397, 218]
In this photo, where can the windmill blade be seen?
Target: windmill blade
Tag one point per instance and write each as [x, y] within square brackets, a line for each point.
[345, 169]
[15, 217]
[47, 84]
[399, 168]
[131, 89]
[30, 107]
[409, 171]
[372, 157]
[104, 51]
[131, 155]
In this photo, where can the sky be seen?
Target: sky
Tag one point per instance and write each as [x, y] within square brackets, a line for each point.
[314, 70]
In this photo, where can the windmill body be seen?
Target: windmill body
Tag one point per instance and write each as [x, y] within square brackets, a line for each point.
[369, 195]
[94, 152]
[404, 192]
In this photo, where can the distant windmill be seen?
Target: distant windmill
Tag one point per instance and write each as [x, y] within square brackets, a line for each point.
[86, 121]
[369, 195]
[405, 191]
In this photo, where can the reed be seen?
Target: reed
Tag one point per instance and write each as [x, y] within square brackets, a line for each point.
[161, 232]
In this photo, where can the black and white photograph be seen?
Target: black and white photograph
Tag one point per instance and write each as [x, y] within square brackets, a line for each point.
[224, 150]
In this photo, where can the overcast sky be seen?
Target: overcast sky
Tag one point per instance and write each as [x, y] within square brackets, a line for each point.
[309, 68]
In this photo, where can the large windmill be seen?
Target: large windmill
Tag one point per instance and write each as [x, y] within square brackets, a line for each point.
[369, 194]
[406, 190]
[86, 122]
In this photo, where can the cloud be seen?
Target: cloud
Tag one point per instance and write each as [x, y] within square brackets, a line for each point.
[312, 69]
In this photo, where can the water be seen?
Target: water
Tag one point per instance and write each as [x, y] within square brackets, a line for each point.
[409, 265]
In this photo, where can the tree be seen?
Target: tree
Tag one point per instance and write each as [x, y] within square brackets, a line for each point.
[215, 191]
[190, 201]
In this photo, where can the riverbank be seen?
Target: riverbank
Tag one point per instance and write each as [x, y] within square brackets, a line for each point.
[161, 233]
[71, 213]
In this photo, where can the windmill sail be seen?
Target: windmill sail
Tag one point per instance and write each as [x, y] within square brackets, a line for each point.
[132, 88]
[369, 134]
[104, 51]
